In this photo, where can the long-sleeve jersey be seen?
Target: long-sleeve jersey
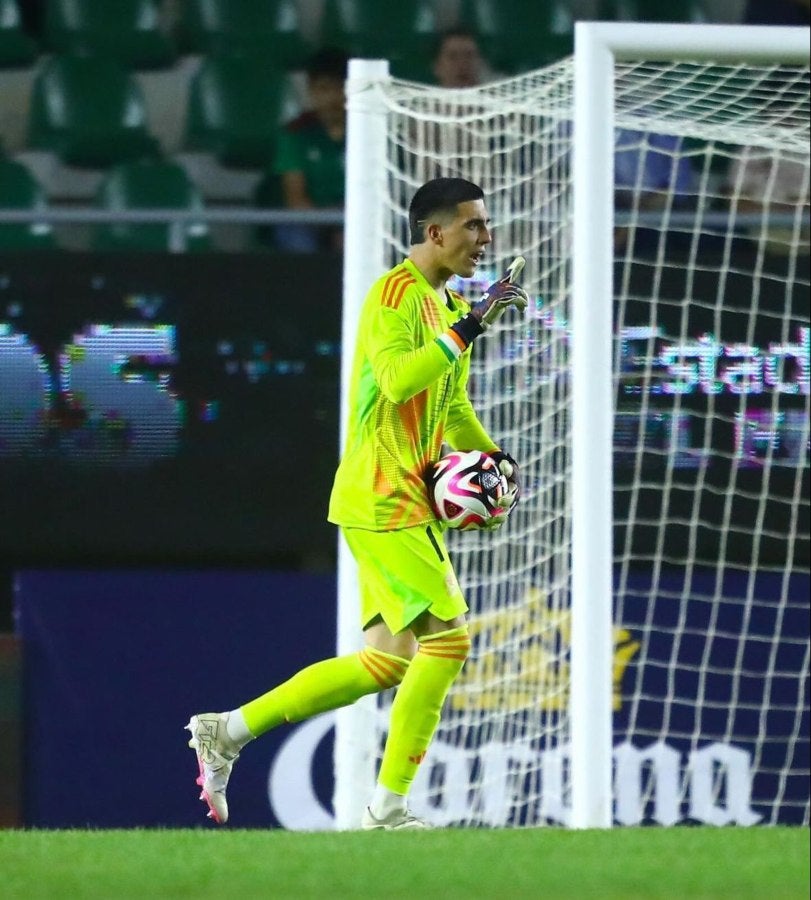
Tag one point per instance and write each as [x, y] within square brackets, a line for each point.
[408, 396]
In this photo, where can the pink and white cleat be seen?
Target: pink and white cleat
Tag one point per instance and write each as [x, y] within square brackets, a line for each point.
[216, 755]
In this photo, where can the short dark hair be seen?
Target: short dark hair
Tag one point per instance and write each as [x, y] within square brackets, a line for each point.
[440, 195]
[328, 62]
[457, 31]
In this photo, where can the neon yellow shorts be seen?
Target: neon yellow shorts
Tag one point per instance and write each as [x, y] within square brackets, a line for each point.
[403, 573]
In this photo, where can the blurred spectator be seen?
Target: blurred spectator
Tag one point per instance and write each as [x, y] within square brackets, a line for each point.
[777, 12]
[650, 174]
[772, 182]
[457, 60]
[311, 154]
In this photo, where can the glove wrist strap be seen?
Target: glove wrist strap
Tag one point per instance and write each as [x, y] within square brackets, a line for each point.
[468, 328]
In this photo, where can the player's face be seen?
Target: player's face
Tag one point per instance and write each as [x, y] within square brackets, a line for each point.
[465, 237]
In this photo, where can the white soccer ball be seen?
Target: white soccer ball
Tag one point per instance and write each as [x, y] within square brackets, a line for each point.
[465, 489]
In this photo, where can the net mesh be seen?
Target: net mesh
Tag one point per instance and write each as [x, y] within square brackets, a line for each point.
[710, 448]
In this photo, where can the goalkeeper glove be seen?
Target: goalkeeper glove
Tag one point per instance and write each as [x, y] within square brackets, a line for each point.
[509, 469]
[493, 304]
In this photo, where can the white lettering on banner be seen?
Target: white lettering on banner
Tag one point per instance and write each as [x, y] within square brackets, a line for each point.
[710, 767]
[707, 365]
[717, 778]
[664, 761]
[554, 807]
[290, 784]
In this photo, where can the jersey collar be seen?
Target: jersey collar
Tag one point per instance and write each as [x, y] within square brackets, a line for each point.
[457, 304]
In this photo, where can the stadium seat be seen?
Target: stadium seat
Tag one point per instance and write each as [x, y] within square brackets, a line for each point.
[268, 27]
[234, 108]
[89, 111]
[126, 30]
[652, 10]
[16, 48]
[20, 190]
[150, 185]
[403, 33]
[519, 35]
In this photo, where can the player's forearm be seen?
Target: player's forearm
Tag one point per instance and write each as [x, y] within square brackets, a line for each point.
[401, 376]
[466, 432]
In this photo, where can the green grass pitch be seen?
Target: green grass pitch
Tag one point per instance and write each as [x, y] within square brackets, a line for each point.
[448, 864]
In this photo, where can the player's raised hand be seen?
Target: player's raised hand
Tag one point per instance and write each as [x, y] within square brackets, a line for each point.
[499, 296]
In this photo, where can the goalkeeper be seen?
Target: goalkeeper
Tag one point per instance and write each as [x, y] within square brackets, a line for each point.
[408, 396]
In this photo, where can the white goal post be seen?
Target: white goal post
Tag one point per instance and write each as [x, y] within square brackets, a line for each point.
[597, 47]
[583, 261]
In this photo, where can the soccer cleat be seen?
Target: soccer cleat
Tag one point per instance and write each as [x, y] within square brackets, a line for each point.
[394, 821]
[216, 755]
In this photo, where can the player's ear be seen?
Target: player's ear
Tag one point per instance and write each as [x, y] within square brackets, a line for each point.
[434, 233]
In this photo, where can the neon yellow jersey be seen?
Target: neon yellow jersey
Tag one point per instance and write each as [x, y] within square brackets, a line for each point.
[408, 396]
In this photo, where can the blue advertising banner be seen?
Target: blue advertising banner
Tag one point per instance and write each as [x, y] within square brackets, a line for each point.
[711, 720]
[712, 726]
[116, 662]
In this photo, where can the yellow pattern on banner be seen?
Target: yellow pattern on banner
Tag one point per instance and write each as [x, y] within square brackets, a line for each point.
[520, 659]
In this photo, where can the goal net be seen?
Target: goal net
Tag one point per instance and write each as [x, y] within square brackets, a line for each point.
[709, 680]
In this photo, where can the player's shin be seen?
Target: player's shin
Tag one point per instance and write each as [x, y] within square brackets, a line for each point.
[323, 686]
[416, 709]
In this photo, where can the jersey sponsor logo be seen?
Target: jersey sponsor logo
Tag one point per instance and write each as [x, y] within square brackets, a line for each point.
[395, 287]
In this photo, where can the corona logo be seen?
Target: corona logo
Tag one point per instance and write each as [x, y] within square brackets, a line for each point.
[656, 783]
[520, 659]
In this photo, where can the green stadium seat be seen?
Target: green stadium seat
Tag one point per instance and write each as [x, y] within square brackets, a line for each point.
[17, 49]
[126, 30]
[338, 27]
[89, 111]
[150, 185]
[234, 110]
[652, 10]
[19, 190]
[519, 35]
[403, 33]
[271, 28]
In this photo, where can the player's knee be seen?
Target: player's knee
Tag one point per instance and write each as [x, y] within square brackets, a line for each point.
[452, 645]
[387, 669]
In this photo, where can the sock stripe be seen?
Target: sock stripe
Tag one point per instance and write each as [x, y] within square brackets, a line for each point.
[455, 642]
[385, 670]
[443, 647]
[454, 646]
[391, 676]
[372, 670]
[461, 655]
[395, 665]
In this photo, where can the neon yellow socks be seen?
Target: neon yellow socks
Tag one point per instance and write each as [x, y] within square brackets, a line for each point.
[331, 683]
[322, 686]
[416, 709]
